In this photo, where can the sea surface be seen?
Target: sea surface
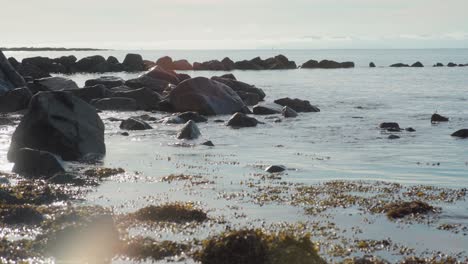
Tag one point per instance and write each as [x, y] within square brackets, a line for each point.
[342, 142]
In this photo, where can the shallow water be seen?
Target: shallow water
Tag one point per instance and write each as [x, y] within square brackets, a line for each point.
[341, 142]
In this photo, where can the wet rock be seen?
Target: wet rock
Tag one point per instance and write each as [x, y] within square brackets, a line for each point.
[90, 93]
[182, 65]
[125, 134]
[372, 65]
[173, 120]
[166, 63]
[399, 65]
[436, 118]
[275, 169]
[15, 100]
[107, 81]
[402, 209]
[390, 125]
[96, 63]
[327, 64]
[62, 124]
[36, 164]
[288, 112]
[182, 76]
[417, 64]
[267, 109]
[4, 121]
[56, 84]
[189, 131]
[208, 143]
[451, 64]
[438, 65]
[115, 104]
[162, 74]
[133, 63]
[229, 65]
[462, 133]
[20, 214]
[112, 60]
[194, 116]
[147, 118]
[393, 137]
[241, 120]
[32, 71]
[228, 76]
[134, 124]
[174, 212]
[67, 178]
[206, 97]
[249, 98]
[45, 64]
[9, 77]
[146, 81]
[238, 86]
[297, 105]
[247, 65]
[145, 98]
[310, 64]
[410, 129]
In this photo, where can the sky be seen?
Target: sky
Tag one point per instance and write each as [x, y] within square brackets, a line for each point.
[235, 24]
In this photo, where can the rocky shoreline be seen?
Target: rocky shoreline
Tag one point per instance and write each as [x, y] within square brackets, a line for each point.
[60, 124]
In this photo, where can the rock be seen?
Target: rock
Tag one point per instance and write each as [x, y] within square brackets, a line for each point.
[67, 178]
[134, 124]
[438, 65]
[288, 112]
[173, 120]
[56, 84]
[125, 134]
[275, 169]
[372, 65]
[112, 60]
[451, 64]
[62, 124]
[14, 63]
[390, 125]
[9, 77]
[393, 137]
[90, 93]
[68, 62]
[297, 105]
[228, 76]
[165, 63]
[143, 81]
[15, 100]
[462, 133]
[206, 97]
[399, 65]
[182, 76]
[194, 116]
[241, 120]
[147, 117]
[30, 70]
[115, 104]
[329, 64]
[182, 65]
[267, 109]
[108, 81]
[36, 164]
[410, 129]
[238, 86]
[95, 63]
[146, 99]
[161, 74]
[133, 63]
[189, 131]
[249, 98]
[310, 64]
[229, 65]
[417, 64]
[208, 143]
[247, 65]
[149, 64]
[436, 118]
[46, 64]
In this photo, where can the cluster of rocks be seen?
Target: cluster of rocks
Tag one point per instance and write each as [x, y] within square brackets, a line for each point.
[420, 65]
[279, 62]
[327, 64]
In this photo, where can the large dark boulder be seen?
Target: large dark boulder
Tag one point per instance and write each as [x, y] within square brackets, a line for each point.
[288, 112]
[115, 104]
[194, 116]
[182, 65]
[241, 120]
[330, 64]
[146, 99]
[189, 131]
[37, 164]
[206, 97]
[45, 64]
[134, 124]
[240, 86]
[9, 77]
[297, 105]
[279, 62]
[166, 63]
[371, 65]
[417, 64]
[212, 65]
[68, 63]
[133, 63]
[438, 65]
[249, 98]
[95, 63]
[229, 65]
[55, 84]
[390, 126]
[161, 74]
[90, 93]
[247, 65]
[15, 100]
[436, 118]
[267, 109]
[108, 81]
[146, 81]
[62, 124]
[32, 71]
[462, 133]
[310, 64]
[399, 65]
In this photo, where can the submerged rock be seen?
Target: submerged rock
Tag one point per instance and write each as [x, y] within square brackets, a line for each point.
[194, 116]
[402, 209]
[462, 133]
[116, 104]
[390, 125]
[15, 100]
[417, 64]
[145, 98]
[107, 81]
[62, 124]
[36, 164]
[134, 124]
[275, 169]
[267, 109]
[288, 112]
[297, 105]
[399, 65]
[372, 65]
[90, 93]
[189, 131]
[393, 137]
[206, 97]
[242, 120]
[208, 143]
[436, 118]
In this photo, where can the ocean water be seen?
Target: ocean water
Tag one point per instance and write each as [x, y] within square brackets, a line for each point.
[342, 141]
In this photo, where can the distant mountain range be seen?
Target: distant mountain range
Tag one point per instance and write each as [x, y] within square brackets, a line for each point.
[47, 49]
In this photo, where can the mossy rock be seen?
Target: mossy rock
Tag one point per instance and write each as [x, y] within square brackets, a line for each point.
[172, 212]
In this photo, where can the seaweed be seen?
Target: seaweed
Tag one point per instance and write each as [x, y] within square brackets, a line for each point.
[172, 212]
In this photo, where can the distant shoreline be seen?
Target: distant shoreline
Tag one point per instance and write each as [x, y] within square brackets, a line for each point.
[48, 49]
